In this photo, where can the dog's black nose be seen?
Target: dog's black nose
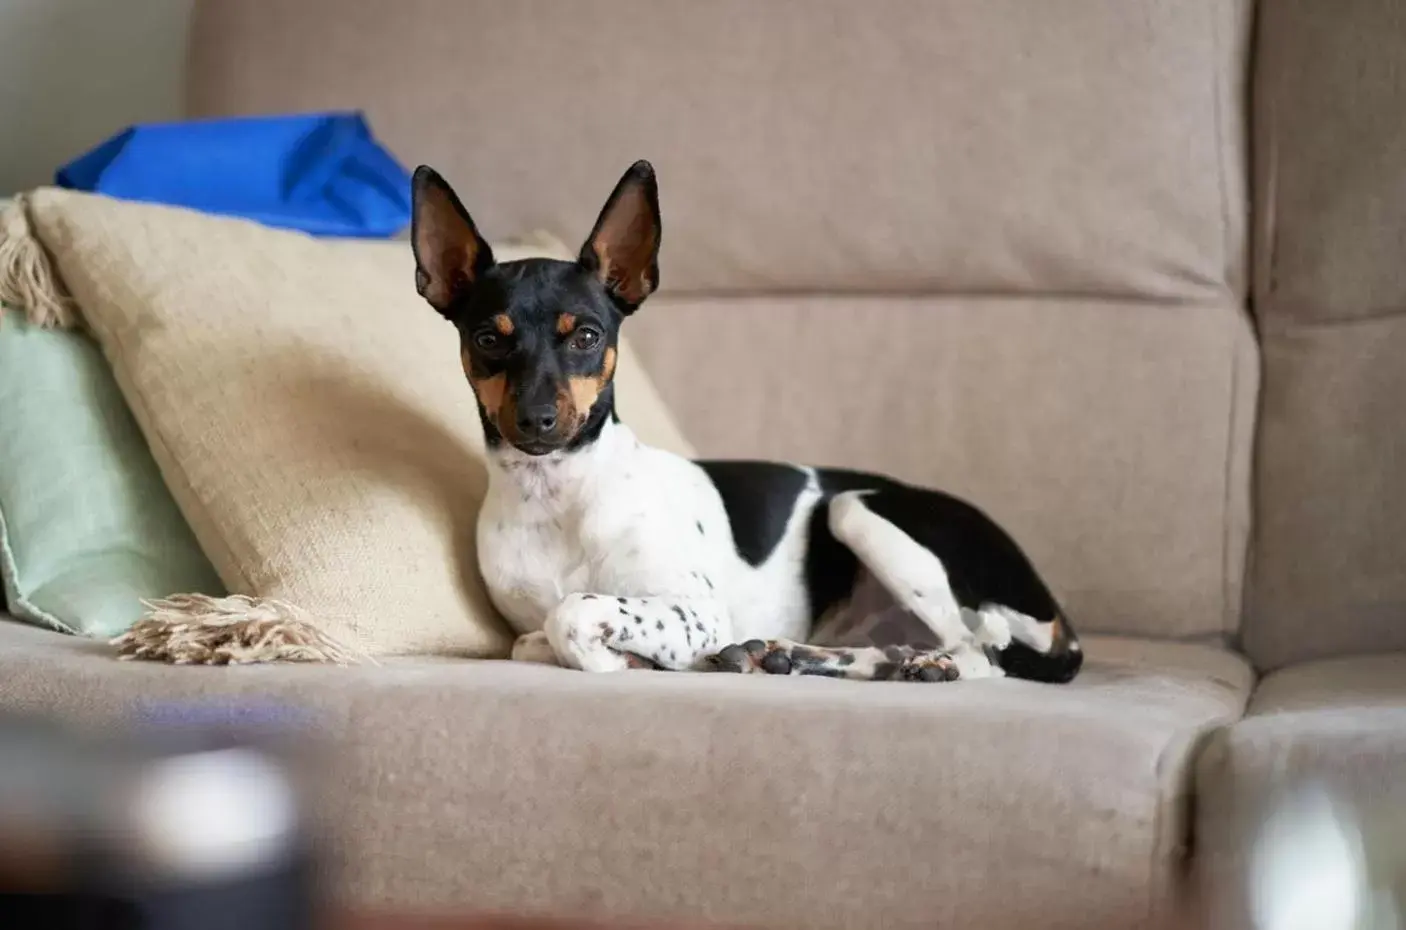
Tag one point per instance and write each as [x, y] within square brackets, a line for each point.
[537, 420]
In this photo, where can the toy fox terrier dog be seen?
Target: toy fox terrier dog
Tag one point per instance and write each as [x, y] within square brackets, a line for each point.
[606, 554]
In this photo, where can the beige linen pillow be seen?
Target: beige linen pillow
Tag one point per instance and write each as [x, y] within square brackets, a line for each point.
[308, 411]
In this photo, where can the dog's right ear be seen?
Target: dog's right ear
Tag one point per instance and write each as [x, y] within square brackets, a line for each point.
[450, 255]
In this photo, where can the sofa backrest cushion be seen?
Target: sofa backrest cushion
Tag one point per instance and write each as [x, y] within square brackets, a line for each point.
[1329, 566]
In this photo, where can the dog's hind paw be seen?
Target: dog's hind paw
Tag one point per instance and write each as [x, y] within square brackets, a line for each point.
[929, 666]
[754, 657]
[863, 663]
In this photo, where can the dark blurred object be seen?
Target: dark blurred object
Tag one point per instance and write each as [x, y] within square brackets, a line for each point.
[190, 821]
[321, 173]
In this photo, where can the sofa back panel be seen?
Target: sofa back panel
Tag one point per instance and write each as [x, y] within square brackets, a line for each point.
[1112, 439]
[1329, 568]
[1066, 146]
[1028, 219]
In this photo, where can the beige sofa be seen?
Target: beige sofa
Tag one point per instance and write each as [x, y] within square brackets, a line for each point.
[1089, 262]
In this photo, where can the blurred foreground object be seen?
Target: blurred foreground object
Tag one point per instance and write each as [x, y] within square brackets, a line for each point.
[184, 823]
[1322, 864]
[321, 173]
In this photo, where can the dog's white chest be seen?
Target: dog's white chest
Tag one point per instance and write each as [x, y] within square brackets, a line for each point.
[624, 520]
[528, 563]
[569, 524]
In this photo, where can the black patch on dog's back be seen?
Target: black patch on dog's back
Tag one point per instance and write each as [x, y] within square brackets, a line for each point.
[759, 498]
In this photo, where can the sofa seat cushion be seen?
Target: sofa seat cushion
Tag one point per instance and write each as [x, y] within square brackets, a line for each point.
[1335, 727]
[731, 799]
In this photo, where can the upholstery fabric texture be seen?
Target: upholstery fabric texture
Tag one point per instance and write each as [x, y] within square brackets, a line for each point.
[901, 145]
[307, 410]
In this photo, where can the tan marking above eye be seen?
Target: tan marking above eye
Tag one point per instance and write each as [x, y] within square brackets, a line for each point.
[566, 322]
[506, 418]
[504, 324]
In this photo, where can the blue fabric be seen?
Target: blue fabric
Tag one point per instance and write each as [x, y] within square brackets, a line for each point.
[322, 173]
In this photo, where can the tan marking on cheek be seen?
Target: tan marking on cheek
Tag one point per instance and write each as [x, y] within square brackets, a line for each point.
[568, 418]
[506, 421]
[504, 324]
[566, 323]
[584, 391]
[492, 393]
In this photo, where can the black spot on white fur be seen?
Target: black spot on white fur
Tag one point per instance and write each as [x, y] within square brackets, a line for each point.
[759, 498]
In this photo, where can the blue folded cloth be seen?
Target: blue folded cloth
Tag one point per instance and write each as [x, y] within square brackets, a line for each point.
[322, 173]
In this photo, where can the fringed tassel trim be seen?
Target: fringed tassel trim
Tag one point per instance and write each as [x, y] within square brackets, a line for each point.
[27, 277]
[195, 629]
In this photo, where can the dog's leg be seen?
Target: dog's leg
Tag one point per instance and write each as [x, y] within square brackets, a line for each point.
[860, 663]
[599, 633]
[917, 580]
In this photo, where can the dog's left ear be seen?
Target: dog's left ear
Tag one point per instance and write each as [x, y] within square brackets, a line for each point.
[450, 255]
[623, 249]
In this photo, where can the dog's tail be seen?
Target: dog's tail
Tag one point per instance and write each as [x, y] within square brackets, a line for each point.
[1048, 652]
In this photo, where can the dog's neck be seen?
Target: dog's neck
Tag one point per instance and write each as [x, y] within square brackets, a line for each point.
[559, 478]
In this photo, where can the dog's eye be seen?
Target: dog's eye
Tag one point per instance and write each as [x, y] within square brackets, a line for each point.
[584, 338]
[488, 342]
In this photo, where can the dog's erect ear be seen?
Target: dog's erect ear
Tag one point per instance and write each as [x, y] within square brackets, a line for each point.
[623, 249]
[450, 255]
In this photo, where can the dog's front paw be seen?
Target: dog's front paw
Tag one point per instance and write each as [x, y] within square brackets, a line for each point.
[534, 647]
[583, 629]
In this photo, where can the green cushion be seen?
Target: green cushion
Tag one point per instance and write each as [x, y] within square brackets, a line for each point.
[87, 527]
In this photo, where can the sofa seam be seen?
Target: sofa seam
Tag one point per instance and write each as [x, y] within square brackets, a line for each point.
[1218, 77]
[1217, 298]
[1264, 259]
[1278, 327]
[1229, 611]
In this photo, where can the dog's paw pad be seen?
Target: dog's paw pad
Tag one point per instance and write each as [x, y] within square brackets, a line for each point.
[929, 667]
[754, 657]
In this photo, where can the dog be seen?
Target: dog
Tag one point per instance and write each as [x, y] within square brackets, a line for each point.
[605, 554]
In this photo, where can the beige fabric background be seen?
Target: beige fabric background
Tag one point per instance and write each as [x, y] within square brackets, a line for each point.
[1329, 573]
[307, 409]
